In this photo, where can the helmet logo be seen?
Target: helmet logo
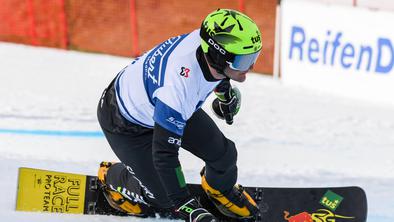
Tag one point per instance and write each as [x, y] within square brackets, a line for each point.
[255, 39]
[217, 46]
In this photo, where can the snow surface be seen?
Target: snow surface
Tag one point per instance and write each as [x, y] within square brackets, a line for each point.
[286, 136]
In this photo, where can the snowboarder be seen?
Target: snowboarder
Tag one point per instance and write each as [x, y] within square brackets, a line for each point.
[153, 107]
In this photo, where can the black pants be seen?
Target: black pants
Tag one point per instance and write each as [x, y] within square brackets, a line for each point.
[132, 144]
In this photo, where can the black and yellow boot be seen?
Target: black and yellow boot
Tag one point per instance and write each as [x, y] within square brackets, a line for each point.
[235, 203]
[115, 197]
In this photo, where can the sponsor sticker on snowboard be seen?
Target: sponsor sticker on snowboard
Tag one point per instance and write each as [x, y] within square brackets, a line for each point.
[330, 200]
[49, 191]
[321, 215]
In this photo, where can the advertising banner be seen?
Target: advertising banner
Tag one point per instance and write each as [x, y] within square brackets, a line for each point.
[338, 49]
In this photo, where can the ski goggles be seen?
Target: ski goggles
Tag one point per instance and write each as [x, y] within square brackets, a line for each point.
[244, 62]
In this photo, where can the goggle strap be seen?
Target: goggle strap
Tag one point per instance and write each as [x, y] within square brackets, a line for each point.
[216, 46]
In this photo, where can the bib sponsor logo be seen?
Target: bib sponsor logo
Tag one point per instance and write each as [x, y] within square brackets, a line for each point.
[184, 72]
[177, 123]
[154, 60]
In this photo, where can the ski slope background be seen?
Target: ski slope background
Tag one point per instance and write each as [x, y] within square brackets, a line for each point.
[286, 136]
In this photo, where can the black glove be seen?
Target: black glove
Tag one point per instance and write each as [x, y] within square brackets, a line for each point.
[228, 101]
[191, 211]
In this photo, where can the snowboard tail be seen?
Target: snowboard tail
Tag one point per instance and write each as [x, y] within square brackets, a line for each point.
[59, 192]
[49, 191]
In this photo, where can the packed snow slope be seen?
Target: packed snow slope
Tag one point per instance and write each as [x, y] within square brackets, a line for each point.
[286, 136]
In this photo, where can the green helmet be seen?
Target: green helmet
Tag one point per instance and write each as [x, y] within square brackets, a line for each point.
[230, 38]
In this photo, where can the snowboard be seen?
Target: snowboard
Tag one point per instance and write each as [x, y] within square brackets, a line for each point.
[59, 192]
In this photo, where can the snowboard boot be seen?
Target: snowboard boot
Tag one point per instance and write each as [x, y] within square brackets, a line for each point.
[115, 199]
[191, 210]
[235, 203]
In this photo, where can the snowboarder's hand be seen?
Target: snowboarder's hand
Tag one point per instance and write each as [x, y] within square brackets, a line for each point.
[227, 104]
[191, 211]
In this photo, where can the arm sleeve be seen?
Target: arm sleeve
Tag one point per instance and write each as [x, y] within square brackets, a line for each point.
[165, 158]
[172, 109]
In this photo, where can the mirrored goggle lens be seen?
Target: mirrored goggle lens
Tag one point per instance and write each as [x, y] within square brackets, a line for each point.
[244, 62]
